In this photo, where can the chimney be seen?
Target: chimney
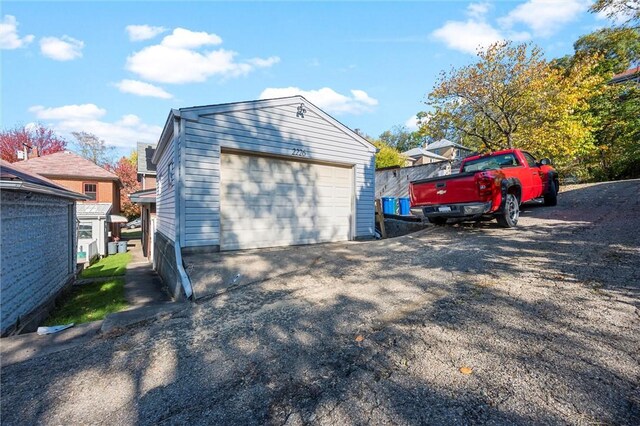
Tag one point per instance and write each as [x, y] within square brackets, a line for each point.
[25, 149]
[34, 152]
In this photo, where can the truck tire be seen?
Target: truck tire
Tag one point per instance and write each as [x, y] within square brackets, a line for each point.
[438, 221]
[551, 198]
[508, 217]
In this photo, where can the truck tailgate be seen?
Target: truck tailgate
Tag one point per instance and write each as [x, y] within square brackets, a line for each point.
[458, 188]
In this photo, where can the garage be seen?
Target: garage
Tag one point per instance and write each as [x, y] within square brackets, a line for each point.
[258, 174]
[268, 202]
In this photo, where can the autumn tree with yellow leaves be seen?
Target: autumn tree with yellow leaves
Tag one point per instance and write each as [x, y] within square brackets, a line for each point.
[512, 97]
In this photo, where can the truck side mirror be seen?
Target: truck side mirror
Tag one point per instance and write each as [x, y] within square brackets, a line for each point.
[545, 162]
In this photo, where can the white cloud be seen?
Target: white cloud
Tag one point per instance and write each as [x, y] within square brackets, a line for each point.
[185, 39]
[412, 123]
[68, 112]
[468, 36]
[545, 17]
[177, 59]
[478, 10]
[64, 48]
[140, 88]
[327, 99]
[121, 133]
[143, 32]
[9, 38]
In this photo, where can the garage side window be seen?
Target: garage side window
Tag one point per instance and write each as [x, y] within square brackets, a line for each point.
[85, 231]
[90, 190]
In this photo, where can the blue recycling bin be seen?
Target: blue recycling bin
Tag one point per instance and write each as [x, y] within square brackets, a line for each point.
[389, 205]
[405, 206]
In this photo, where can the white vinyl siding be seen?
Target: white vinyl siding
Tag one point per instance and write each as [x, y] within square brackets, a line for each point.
[165, 194]
[261, 128]
[268, 202]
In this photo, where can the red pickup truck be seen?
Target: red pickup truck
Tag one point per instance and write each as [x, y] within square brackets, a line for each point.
[492, 185]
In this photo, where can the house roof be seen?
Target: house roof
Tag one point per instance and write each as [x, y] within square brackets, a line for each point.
[145, 154]
[67, 164]
[417, 152]
[195, 111]
[630, 74]
[145, 196]
[14, 177]
[93, 209]
[444, 143]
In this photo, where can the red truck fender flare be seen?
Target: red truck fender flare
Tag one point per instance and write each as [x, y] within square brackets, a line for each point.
[505, 186]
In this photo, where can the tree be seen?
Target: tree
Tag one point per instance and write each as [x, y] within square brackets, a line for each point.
[37, 137]
[624, 11]
[513, 98]
[92, 148]
[387, 156]
[128, 175]
[613, 108]
[616, 48]
[400, 138]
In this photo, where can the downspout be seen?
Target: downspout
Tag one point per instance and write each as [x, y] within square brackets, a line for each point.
[179, 181]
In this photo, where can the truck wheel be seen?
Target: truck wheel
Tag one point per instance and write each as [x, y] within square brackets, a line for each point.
[508, 217]
[438, 221]
[551, 198]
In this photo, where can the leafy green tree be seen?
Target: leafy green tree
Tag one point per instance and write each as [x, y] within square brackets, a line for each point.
[617, 49]
[400, 138]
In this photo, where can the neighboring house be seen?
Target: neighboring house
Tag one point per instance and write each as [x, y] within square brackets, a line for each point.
[37, 246]
[100, 185]
[255, 174]
[632, 74]
[449, 150]
[146, 168]
[147, 201]
[419, 156]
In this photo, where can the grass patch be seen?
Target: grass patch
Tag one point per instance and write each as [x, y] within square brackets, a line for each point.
[109, 266]
[89, 302]
[131, 234]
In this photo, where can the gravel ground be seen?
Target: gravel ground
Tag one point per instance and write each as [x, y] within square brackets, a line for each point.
[544, 319]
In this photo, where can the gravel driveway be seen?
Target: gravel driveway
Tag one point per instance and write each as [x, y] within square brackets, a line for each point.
[545, 318]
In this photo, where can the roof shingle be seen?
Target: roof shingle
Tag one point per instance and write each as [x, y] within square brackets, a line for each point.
[66, 164]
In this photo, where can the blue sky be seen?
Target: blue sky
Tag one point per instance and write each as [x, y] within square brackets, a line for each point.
[116, 68]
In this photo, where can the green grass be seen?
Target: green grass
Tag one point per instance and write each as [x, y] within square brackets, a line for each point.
[110, 266]
[89, 302]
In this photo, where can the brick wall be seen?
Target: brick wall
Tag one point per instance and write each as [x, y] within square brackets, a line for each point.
[37, 257]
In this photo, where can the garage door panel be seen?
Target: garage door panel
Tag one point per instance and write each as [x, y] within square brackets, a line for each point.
[270, 202]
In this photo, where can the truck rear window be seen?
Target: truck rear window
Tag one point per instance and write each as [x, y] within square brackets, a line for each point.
[491, 163]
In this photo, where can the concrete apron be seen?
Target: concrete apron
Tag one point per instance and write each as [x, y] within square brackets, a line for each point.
[212, 274]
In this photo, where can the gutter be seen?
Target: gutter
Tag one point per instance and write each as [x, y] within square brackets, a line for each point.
[179, 182]
[40, 189]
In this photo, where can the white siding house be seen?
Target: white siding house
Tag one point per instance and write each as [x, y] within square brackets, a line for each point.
[262, 174]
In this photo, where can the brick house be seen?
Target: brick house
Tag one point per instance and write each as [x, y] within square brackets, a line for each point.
[99, 221]
[37, 246]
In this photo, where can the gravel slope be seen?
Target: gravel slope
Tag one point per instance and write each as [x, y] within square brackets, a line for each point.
[545, 317]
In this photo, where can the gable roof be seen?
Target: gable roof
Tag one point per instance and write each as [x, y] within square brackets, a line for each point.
[630, 74]
[66, 164]
[145, 154]
[13, 176]
[444, 143]
[195, 111]
[417, 152]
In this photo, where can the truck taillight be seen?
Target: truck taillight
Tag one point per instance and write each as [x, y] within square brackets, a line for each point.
[485, 185]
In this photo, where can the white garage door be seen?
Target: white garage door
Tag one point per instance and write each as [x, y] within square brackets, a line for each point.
[268, 202]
